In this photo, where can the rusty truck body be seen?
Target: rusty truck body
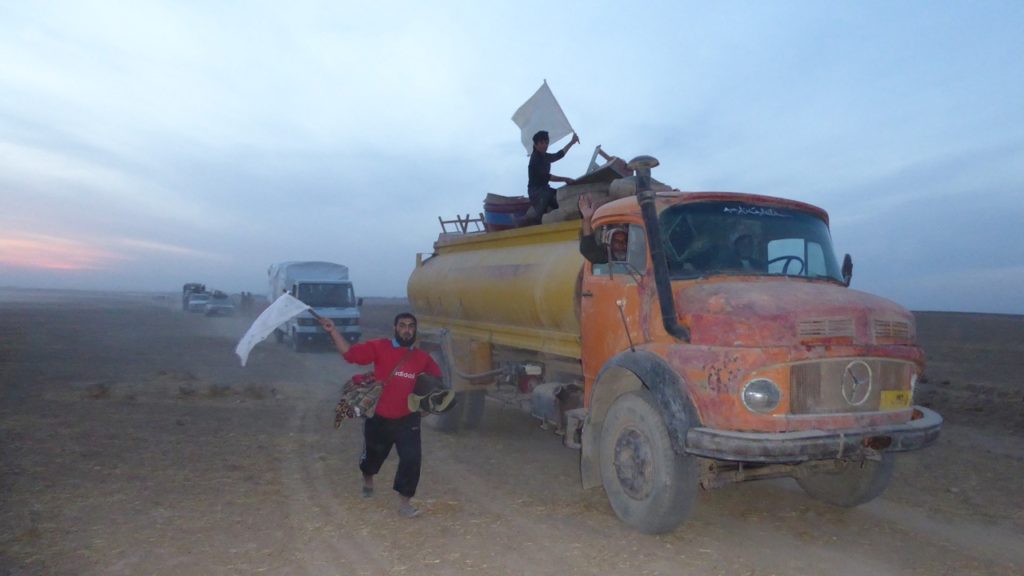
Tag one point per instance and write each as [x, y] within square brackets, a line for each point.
[685, 365]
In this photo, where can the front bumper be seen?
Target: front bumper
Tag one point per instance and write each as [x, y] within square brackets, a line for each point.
[809, 445]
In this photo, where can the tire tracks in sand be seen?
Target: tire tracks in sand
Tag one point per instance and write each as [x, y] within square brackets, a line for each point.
[324, 510]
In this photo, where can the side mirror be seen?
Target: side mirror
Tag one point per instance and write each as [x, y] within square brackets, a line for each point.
[847, 269]
[359, 301]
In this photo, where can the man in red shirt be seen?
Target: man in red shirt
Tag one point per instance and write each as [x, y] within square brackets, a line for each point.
[396, 364]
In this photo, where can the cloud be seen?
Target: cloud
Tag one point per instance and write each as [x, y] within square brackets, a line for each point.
[143, 248]
[39, 251]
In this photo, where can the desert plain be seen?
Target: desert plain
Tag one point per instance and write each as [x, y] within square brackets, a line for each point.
[133, 442]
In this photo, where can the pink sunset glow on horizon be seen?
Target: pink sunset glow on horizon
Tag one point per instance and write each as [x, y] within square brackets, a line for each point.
[52, 253]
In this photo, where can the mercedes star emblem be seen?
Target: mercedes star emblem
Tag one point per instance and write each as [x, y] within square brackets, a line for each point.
[856, 382]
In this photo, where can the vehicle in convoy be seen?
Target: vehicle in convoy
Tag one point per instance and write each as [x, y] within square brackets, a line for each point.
[197, 301]
[219, 304]
[726, 346]
[189, 289]
[325, 287]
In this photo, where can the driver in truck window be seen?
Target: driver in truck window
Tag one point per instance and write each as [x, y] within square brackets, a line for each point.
[744, 256]
[617, 238]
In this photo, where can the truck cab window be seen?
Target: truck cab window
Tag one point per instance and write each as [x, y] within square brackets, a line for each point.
[796, 257]
[327, 295]
[633, 261]
[725, 238]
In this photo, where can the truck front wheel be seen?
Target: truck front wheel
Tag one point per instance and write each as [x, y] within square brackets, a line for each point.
[852, 484]
[650, 487]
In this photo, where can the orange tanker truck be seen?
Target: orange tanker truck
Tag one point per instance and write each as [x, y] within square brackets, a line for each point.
[724, 346]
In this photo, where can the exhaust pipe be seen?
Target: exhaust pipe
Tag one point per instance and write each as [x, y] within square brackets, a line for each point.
[642, 165]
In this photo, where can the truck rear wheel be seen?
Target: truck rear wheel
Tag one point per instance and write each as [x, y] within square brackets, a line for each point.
[473, 413]
[450, 421]
[466, 414]
[297, 344]
[853, 484]
[468, 410]
[650, 487]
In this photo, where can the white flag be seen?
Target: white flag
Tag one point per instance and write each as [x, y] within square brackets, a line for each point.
[283, 309]
[541, 112]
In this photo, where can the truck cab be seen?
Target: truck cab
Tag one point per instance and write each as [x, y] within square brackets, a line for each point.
[189, 289]
[323, 286]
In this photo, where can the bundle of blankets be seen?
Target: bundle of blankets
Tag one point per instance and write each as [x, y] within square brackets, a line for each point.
[359, 397]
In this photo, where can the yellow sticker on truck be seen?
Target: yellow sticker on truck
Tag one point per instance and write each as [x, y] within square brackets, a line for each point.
[894, 399]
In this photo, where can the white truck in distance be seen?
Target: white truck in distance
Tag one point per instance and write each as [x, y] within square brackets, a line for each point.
[325, 287]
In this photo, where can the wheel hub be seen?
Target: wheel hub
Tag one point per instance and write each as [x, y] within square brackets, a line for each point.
[634, 464]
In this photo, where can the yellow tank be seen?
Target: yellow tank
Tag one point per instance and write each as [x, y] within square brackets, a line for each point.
[515, 288]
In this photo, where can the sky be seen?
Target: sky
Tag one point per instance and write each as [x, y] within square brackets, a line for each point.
[148, 144]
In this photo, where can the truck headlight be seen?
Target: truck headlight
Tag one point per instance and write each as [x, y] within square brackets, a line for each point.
[761, 395]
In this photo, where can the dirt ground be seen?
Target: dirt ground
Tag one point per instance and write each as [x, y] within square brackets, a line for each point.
[132, 442]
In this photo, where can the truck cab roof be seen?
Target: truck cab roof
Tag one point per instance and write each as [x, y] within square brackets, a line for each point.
[630, 207]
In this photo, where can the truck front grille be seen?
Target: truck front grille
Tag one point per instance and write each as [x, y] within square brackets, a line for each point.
[818, 387]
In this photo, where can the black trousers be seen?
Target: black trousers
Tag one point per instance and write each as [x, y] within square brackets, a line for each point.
[543, 200]
[379, 435]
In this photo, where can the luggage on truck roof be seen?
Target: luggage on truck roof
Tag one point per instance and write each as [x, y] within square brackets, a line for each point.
[508, 212]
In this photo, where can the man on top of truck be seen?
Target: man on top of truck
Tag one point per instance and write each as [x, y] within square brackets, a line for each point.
[542, 195]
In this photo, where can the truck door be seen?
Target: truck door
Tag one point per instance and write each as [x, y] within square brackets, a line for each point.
[603, 323]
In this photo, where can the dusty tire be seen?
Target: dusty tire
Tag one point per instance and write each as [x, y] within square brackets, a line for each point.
[451, 420]
[465, 415]
[278, 335]
[468, 410]
[650, 487]
[855, 484]
[473, 410]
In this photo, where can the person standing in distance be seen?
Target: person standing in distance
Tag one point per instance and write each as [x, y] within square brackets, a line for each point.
[396, 364]
[542, 195]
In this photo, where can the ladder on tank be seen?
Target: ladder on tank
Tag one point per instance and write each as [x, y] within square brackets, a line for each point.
[461, 225]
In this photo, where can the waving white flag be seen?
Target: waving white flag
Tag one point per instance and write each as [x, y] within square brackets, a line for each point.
[541, 112]
[283, 309]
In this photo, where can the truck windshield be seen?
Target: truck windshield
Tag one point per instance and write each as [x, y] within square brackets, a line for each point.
[715, 238]
[327, 295]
